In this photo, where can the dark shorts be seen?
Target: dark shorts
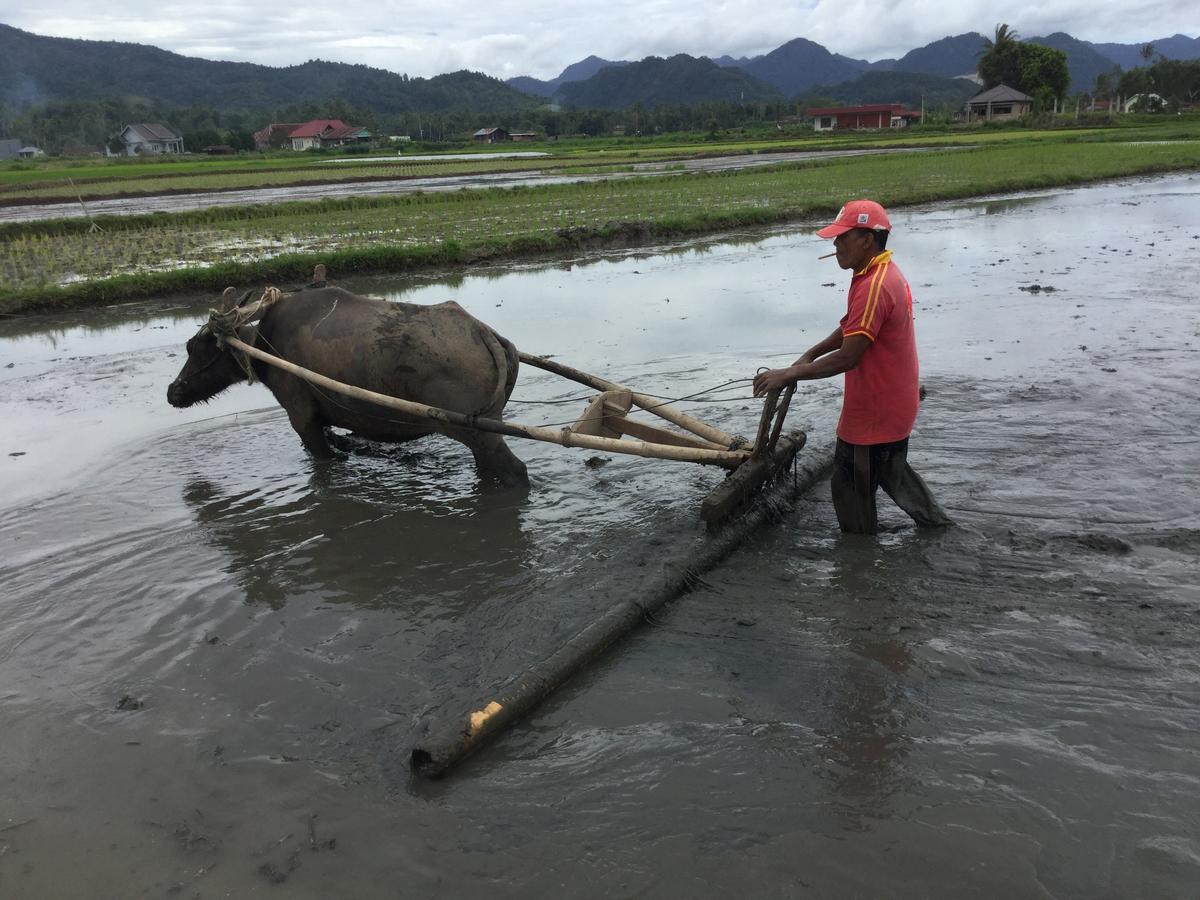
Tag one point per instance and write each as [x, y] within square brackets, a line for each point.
[859, 470]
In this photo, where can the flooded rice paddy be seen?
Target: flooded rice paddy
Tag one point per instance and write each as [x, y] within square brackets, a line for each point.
[216, 653]
[168, 203]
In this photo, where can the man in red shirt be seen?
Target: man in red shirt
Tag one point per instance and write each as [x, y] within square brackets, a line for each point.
[876, 347]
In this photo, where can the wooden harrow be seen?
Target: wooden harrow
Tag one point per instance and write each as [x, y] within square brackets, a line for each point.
[604, 425]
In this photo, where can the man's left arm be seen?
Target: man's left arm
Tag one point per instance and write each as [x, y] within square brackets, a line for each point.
[841, 360]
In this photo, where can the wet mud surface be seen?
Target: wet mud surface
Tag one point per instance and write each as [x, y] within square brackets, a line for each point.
[177, 200]
[216, 653]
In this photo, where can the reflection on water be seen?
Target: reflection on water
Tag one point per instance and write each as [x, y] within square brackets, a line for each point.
[373, 534]
[1009, 708]
[869, 739]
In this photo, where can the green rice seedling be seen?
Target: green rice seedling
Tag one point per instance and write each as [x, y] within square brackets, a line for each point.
[385, 231]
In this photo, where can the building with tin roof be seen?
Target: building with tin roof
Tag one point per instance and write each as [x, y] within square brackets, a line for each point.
[998, 103]
[150, 139]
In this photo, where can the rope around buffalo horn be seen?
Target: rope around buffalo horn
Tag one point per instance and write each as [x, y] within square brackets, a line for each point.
[224, 323]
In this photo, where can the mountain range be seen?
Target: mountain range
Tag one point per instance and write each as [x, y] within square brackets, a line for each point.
[680, 80]
[36, 69]
[798, 66]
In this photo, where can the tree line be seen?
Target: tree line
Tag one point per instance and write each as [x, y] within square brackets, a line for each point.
[1175, 81]
[79, 127]
[1042, 73]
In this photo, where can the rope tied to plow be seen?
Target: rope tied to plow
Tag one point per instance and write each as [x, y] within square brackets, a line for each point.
[225, 322]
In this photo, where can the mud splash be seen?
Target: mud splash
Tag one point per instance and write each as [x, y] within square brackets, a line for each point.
[215, 653]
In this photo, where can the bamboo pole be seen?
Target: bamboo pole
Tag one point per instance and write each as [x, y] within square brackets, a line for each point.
[730, 459]
[781, 415]
[450, 741]
[650, 404]
[765, 422]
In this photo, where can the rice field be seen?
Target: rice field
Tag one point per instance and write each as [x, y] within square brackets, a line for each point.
[234, 180]
[62, 180]
[49, 262]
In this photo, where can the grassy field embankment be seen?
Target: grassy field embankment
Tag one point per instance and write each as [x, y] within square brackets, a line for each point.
[64, 263]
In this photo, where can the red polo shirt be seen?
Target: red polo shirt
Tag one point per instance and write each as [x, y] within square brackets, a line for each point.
[880, 403]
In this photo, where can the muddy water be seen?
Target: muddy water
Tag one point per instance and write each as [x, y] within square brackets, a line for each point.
[216, 653]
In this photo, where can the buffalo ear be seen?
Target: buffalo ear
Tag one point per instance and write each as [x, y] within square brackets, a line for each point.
[319, 274]
[228, 299]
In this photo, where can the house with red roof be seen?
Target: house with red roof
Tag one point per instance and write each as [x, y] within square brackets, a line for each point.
[326, 133]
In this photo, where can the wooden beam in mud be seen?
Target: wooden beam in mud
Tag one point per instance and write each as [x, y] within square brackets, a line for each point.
[452, 740]
[729, 459]
[740, 486]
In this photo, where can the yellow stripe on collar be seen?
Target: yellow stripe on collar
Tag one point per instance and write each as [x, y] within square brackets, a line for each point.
[875, 260]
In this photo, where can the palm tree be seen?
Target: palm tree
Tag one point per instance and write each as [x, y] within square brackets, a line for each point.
[998, 57]
[1004, 39]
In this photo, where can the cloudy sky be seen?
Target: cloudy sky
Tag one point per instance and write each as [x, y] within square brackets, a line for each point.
[540, 37]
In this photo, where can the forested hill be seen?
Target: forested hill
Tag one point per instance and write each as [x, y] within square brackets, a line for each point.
[910, 88]
[950, 56]
[1129, 56]
[580, 71]
[36, 70]
[680, 80]
[799, 64]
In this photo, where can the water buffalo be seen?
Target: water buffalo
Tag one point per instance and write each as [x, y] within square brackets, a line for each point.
[439, 355]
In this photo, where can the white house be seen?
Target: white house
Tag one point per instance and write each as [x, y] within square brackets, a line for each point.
[1144, 103]
[150, 139]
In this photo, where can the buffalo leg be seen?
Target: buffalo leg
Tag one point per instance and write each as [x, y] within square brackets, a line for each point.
[298, 402]
[493, 459]
[312, 435]
[307, 421]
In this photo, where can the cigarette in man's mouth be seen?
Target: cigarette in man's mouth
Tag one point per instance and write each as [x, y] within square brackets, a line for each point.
[827, 255]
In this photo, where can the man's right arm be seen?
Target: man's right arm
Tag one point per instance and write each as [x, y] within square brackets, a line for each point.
[815, 352]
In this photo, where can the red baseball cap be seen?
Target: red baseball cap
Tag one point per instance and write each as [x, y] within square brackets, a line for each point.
[857, 214]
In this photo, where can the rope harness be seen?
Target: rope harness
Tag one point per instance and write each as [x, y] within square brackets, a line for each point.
[224, 323]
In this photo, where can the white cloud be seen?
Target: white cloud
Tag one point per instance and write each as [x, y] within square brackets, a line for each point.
[541, 37]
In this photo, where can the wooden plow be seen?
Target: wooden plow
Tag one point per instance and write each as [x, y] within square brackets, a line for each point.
[604, 425]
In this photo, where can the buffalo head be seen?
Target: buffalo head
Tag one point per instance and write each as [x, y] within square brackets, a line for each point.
[209, 369]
